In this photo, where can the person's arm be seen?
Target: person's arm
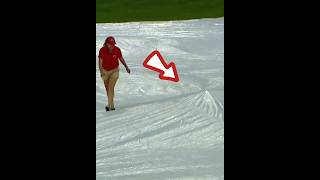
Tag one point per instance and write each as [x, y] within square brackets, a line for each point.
[100, 66]
[125, 64]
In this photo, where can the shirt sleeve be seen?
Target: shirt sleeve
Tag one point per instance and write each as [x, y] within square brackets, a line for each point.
[100, 53]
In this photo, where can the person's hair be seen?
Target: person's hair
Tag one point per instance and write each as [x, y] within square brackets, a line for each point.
[110, 37]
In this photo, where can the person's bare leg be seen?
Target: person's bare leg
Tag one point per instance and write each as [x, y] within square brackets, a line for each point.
[112, 82]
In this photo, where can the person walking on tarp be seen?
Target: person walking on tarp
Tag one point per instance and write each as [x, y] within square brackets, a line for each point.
[109, 56]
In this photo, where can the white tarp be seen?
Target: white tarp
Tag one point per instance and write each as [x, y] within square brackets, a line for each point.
[162, 129]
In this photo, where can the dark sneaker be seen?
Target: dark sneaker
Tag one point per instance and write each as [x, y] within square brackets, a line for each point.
[107, 109]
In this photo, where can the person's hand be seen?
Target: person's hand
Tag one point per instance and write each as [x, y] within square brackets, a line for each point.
[128, 70]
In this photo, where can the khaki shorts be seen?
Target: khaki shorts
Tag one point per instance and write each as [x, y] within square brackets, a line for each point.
[114, 74]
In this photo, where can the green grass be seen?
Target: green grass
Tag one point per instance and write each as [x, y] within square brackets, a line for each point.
[157, 10]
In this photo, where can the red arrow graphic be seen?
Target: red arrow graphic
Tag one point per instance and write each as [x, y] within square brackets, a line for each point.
[156, 62]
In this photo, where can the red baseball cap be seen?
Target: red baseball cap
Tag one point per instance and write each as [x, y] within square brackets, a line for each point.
[110, 40]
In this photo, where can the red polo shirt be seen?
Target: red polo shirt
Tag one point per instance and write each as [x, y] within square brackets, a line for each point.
[110, 60]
